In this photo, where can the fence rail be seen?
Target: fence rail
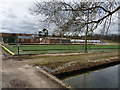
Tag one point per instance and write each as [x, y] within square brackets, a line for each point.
[45, 49]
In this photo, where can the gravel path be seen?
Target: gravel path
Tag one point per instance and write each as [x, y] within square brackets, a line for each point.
[17, 74]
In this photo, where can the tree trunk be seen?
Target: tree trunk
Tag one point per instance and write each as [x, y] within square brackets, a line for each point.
[86, 49]
[86, 35]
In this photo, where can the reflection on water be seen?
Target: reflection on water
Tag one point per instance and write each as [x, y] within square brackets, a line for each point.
[103, 78]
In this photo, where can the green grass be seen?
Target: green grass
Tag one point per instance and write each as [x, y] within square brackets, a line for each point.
[43, 49]
[81, 57]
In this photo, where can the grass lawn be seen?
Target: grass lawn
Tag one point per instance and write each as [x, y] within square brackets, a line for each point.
[62, 63]
[43, 49]
[80, 57]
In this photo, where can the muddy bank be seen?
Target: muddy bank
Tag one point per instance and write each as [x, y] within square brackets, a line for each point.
[60, 69]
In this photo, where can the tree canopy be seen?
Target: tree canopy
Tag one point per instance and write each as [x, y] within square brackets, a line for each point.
[72, 17]
[77, 17]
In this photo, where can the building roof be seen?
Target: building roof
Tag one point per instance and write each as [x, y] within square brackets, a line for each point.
[53, 38]
[17, 33]
[77, 40]
[25, 37]
[35, 35]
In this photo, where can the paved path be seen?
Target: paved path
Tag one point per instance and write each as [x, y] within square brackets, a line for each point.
[0, 68]
[16, 74]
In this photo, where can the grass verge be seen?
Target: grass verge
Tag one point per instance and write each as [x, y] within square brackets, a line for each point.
[61, 63]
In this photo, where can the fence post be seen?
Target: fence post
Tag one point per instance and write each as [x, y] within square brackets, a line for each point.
[18, 49]
[18, 46]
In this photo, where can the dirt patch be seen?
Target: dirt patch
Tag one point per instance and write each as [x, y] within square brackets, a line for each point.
[16, 83]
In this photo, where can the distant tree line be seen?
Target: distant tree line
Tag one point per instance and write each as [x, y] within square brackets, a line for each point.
[111, 37]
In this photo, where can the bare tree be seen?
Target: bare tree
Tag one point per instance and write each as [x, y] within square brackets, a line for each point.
[77, 17]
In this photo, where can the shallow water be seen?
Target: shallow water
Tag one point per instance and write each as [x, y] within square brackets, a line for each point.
[103, 78]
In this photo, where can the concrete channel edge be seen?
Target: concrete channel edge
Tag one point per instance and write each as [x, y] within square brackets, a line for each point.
[53, 78]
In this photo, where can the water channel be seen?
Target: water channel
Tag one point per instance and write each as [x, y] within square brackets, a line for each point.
[102, 78]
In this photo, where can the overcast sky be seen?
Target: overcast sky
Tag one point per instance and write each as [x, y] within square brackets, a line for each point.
[15, 17]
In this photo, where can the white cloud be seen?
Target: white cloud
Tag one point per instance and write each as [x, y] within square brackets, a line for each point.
[16, 17]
